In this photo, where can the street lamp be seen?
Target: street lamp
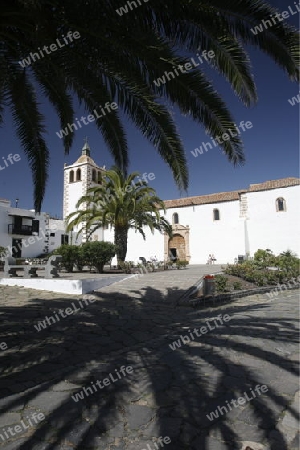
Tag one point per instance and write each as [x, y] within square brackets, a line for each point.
[17, 201]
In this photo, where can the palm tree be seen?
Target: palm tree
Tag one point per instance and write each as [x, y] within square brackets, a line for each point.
[117, 59]
[122, 203]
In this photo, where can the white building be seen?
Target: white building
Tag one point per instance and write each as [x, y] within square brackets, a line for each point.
[26, 234]
[226, 224]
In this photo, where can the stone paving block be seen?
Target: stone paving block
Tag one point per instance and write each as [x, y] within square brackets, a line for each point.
[118, 447]
[286, 384]
[40, 446]
[138, 416]
[248, 432]
[295, 444]
[254, 446]
[117, 431]
[65, 386]
[15, 402]
[48, 401]
[9, 419]
[13, 445]
[211, 444]
[63, 447]
[101, 442]
[79, 433]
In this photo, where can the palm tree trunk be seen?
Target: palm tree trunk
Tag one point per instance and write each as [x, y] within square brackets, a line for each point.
[121, 235]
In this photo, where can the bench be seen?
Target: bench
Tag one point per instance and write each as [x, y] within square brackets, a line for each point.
[51, 268]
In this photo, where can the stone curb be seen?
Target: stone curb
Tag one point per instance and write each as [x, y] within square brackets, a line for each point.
[185, 300]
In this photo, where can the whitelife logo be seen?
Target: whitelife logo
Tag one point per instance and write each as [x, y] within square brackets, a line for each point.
[11, 158]
[158, 444]
[236, 403]
[278, 17]
[120, 192]
[86, 120]
[184, 68]
[86, 391]
[202, 330]
[220, 139]
[68, 312]
[53, 47]
[124, 9]
[294, 100]
[13, 430]
[275, 291]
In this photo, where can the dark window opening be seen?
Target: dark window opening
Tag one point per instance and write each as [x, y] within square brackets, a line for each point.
[280, 204]
[216, 214]
[36, 226]
[64, 239]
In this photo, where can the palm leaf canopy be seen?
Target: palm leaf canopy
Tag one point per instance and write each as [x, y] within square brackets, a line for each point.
[117, 58]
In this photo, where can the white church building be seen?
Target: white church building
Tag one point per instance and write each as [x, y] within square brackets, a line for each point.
[226, 224]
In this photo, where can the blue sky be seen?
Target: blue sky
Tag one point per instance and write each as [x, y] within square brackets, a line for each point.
[271, 145]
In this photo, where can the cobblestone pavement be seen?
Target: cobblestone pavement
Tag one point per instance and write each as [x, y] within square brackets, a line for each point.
[249, 352]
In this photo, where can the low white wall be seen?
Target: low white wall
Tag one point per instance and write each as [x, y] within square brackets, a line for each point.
[72, 287]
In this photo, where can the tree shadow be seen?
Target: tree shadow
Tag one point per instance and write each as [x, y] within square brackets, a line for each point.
[170, 392]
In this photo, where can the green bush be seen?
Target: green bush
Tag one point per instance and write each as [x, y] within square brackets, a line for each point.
[237, 285]
[181, 264]
[288, 263]
[258, 272]
[98, 253]
[80, 258]
[264, 258]
[221, 283]
[126, 266]
[71, 255]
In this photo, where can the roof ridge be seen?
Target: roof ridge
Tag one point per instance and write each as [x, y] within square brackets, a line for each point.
[232, 195]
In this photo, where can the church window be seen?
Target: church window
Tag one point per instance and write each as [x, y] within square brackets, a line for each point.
[280, 204]
[216, 214]
[99, 181]
[94, 175]
[175, 219]
[78, 175]
[71, 176]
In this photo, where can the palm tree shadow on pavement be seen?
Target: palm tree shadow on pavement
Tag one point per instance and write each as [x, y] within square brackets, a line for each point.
[169, 393]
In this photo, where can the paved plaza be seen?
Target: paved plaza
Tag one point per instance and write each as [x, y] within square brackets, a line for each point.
[123, 369]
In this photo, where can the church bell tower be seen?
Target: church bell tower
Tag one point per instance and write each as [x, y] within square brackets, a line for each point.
[78, 178]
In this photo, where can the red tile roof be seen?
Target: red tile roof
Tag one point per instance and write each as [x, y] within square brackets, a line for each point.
[231, 196]
[274, 184]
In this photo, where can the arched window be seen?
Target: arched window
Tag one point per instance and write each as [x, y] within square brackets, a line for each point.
[216, 214]
[175, 219]
[94, 175]
[78, 175]
[71, 176]
[280, 204]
